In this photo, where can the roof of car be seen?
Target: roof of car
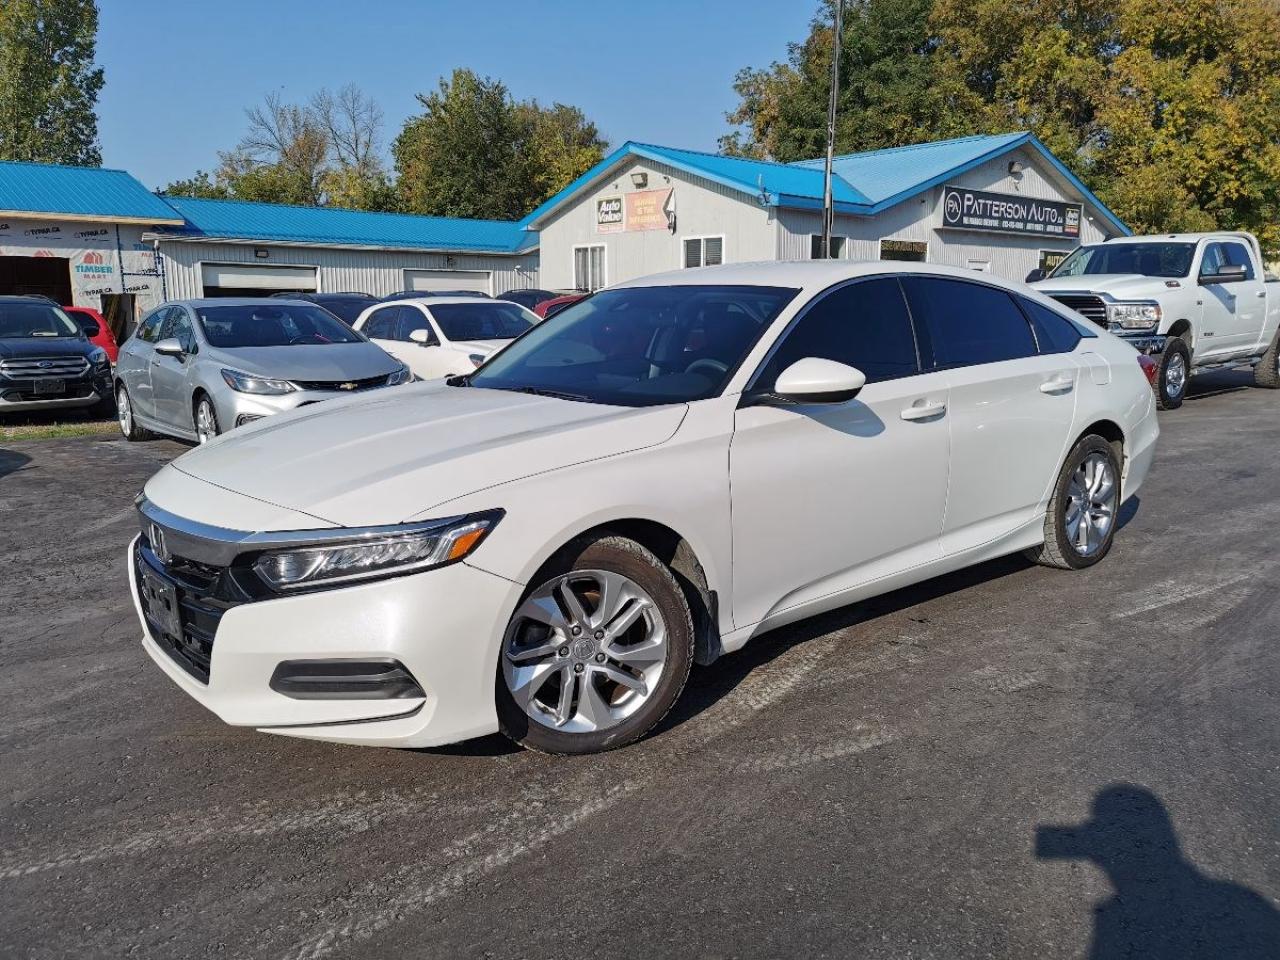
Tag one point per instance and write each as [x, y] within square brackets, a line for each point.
[241, 302]
[437, 301]
[1182, 237]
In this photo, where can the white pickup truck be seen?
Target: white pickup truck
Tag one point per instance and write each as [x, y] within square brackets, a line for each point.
[1196, 301]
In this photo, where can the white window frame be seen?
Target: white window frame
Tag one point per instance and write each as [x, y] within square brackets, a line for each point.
[604, 262]
[880, 248]
[844, 247]
[703, 237]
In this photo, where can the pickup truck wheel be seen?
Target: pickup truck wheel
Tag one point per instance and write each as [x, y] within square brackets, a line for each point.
[1267, 372]
[1080, 523]
[597, 652]
[1175, 371]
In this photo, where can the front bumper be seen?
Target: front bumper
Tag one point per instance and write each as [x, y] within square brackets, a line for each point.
[20, 395]
[1147, 343]
[445, 626]
[235, 409]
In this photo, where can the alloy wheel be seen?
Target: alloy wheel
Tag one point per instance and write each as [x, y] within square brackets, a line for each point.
[124, 413]
[1092, 493]
[584, 651]
[1175, 376]
[206, 422]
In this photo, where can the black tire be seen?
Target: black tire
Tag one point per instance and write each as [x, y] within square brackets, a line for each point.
[617, 555]
[105, 407]
[124, 411]
[1267, 373]
[1058, 549]
[1169, 395]
[204, 400]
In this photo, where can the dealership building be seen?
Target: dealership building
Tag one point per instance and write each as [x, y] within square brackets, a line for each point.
[98, 238]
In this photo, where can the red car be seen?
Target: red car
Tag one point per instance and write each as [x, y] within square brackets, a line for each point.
[549, 308]
[96, 329]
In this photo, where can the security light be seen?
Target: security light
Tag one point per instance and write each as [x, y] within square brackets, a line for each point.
[640, 179]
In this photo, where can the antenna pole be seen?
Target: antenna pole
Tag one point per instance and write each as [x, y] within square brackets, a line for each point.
[828, 210]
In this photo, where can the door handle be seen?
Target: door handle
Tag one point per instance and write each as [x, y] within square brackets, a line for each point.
[923, 411]
[1059, 384]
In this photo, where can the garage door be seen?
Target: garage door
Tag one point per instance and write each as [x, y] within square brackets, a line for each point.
[426, 280]
[250, 279]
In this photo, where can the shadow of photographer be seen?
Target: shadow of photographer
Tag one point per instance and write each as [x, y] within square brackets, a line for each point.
[1163, 907]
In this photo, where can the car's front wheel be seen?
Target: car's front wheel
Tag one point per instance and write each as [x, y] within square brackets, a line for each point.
[1080, 524]
[1175, 371]
[1267, 372]
[597, 652]
[206, 420]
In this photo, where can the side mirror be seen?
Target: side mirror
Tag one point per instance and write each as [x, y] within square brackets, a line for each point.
[1035, 276]
[814, 380]
[170, 347]
[421, 337]
[1228, 273]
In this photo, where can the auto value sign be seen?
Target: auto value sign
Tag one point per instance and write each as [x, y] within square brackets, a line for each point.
[966, 209]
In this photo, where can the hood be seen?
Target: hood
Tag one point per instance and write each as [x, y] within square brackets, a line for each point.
[13, 348]
[389, 455]
[1118, 286]
[309, 361]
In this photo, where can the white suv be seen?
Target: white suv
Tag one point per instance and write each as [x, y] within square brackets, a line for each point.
[655, 476]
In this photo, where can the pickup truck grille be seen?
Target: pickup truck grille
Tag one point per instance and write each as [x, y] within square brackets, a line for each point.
[37, 368]
[1087, 305]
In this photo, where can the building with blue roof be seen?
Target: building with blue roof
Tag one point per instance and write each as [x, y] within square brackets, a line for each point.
[1001, 203]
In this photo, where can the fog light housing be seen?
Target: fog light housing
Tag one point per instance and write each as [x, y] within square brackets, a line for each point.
[377, 679]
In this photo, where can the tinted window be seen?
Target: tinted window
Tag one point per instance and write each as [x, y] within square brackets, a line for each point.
[961, 324]
[381, 324]
[150, 325]
[272, 325]
[1055, 332]
[346, 309]
[1146, 259]
[87, 322]
[178, 325]
[639, 346]
[1219, 255]
[864, 325]
[28, 319]
[481, 321]
[411, 319]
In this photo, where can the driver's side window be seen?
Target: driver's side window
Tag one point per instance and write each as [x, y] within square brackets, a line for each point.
[864, 325]
[381, 324]
[1213, 260]
[150, 326]
[411, 319]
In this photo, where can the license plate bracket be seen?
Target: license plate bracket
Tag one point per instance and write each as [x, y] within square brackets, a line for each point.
[48, 386]
[161, 598]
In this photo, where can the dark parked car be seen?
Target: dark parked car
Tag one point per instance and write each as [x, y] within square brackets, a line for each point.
[419, 294]
[345, 306]
[46, 361]
[528, 298]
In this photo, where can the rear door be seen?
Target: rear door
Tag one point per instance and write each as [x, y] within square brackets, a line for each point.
[170, 376]
[133, 366]
[1248, 296]
[1011, 408]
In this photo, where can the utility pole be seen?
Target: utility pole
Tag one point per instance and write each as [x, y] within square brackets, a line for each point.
[828, 209]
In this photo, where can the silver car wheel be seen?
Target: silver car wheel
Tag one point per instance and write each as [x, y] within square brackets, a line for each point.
[1175, 376]
[1092, 493]
[206, 421]
[584, 651]
[124, 412]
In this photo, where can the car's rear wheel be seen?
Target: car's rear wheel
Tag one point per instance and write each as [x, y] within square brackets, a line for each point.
[1267, 372]
[597, 652]
[1175, 372]
[206, 418]
[1080, 524]
[124, 416]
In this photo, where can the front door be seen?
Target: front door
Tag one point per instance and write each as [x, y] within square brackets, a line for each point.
[827, 497]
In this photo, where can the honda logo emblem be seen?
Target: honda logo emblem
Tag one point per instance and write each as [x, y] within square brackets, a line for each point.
[156, 535]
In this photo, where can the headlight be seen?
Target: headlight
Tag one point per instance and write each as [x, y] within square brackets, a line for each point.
[1143, 315]
[376, 553]
[399, 376]
[98, 357]
[250, 383]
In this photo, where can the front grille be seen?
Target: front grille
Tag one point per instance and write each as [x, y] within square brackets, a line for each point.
[343, 386]
[1087, 305]
[38, 368]
[201, 604]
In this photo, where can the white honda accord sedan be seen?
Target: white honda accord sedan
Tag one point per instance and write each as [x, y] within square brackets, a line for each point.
[652, 478]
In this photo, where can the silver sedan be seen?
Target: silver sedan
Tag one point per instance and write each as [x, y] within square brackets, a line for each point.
[196, 368]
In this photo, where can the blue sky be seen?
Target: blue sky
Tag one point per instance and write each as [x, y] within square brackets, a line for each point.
[180, 74]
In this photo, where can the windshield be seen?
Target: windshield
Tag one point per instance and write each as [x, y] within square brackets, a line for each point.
[21, 320]
[347, 309]
[481, 321]
[272, 325]
[639, 346]
[1147, 259]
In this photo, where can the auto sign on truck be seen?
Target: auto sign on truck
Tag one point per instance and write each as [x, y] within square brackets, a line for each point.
[1198, 301]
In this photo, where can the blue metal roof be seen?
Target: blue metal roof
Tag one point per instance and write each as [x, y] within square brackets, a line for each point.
[328, 226]
[863, 183]
[46, 189]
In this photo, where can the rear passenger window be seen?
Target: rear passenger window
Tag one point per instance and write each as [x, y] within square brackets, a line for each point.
[864, 325]
[381, 324]
[962, 324]
[411, 319]
[1055, 332]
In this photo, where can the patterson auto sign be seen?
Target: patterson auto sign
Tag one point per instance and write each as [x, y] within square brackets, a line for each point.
[965, 209]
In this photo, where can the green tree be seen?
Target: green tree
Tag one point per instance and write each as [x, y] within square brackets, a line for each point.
[476, 152]
[200, 185]
[48, 83]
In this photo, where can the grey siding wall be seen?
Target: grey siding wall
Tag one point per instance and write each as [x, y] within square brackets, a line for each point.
[919, 218]
[702, 207]
[378, 272]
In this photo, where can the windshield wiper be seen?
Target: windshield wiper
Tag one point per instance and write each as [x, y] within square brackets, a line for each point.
[544, 392]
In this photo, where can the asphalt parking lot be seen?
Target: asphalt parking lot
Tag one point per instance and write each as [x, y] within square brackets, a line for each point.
[869, 784]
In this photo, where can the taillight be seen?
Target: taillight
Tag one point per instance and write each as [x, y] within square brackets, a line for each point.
[1150, 368]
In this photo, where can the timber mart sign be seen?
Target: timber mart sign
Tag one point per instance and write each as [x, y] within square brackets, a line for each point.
[965, 209]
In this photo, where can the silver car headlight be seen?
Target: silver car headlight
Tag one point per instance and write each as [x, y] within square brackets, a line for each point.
[251, 383]
[1139, 315]
[380, 552]
[398, 376]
